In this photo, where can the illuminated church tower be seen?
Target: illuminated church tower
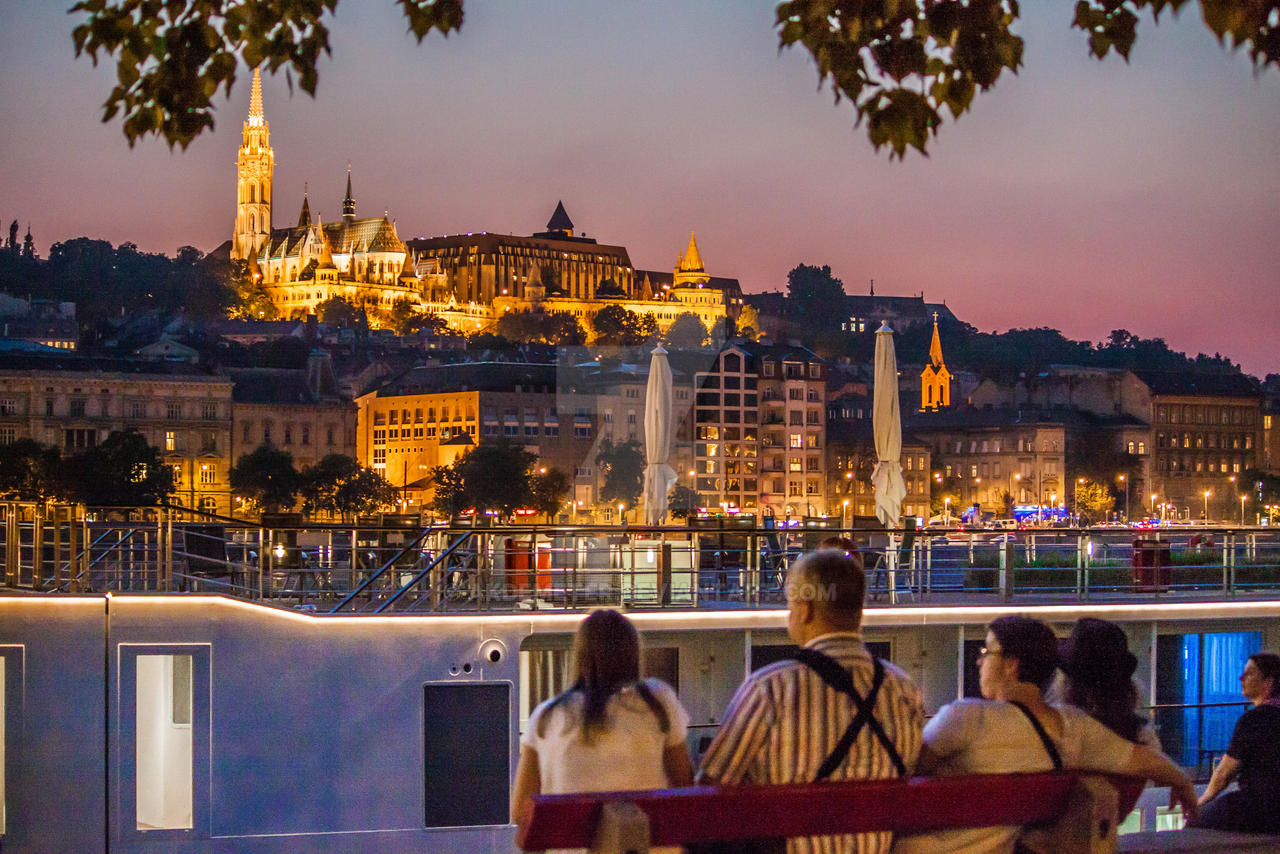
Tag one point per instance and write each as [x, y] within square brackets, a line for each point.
[689, 271]
[254, 167]
[935, 380]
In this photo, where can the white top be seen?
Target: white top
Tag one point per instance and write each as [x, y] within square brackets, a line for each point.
[993, 737]
[624, 754]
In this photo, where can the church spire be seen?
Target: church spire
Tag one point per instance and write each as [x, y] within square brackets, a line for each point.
[935, 346]
[349, 203]
[256, 116]
[304, 218]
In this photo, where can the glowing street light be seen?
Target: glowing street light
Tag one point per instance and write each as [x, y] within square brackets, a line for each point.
[1243, 498]
[1207, 493]
[1153, 503]
[844, 515]
[1125, 480]
[946, 509]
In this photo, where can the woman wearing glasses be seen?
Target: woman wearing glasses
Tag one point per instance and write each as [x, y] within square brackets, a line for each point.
[1013, 729]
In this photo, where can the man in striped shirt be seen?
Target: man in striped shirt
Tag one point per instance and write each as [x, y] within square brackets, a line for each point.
[785, 720]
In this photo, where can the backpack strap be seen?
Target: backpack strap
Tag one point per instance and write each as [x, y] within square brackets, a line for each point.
[1049, 746]
[837, 677]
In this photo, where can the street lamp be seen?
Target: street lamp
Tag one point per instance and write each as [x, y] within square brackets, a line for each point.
[1207, 493]
[1125, 480]
[844, 515]
[946, 510]
[1242, 500]
[1079, 483]
[1153, 503]
[622, 520]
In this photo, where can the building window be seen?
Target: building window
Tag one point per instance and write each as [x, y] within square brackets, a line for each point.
[137, 409]
[173, 411]
[306, 435]
[209, 411]
[7, 435]
[170, 440]
[77, 407]
[796, 440]
[207, 475]
[9, 406]
[48, 406]
[266, 433]
[288, 435]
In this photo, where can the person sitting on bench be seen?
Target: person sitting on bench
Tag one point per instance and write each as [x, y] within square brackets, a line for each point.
[832, 712]
[1013, 729]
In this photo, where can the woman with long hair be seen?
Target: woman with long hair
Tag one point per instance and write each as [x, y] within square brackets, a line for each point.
[1097, 678]
[611, 730]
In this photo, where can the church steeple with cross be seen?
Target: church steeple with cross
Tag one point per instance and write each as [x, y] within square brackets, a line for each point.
[935, 379]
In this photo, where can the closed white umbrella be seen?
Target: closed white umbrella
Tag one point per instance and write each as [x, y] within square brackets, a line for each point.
[886, 423]
[658, 476]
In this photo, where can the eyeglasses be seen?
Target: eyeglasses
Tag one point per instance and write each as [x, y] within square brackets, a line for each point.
[987, 653]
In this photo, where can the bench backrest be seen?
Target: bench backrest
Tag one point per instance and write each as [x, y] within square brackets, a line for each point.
[704, 813]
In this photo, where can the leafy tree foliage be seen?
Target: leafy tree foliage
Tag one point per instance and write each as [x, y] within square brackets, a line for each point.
[492, 476]
[899, 64]
[1004, 356]
[123, 471]
[28, 471]
[619, 327]
[105, 282]
[811, 293]
[251, 299]
[1093, 501]
[623, 468]
[405, 319]
[338, 484]
[267, 478]
[686, 332]
[682, 502]
[555, 327]
[548, 491]
[338, 312]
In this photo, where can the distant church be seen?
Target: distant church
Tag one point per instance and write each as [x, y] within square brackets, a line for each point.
[467, 280]
[935, 379]
[364, 261]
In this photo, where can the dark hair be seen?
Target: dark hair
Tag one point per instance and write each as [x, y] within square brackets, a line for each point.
[1099, 670]
[843, 544]
[831, 578]
[1032, 643]
[1268, 664]
[606, 659]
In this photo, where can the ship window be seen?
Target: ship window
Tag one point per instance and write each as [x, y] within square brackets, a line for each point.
[1198, 690]
[164, 742]
[466, 775]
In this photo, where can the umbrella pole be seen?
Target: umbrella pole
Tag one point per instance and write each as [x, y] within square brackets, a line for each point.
[891, 561]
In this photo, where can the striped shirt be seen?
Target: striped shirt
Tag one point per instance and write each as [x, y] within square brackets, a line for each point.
[784, 721]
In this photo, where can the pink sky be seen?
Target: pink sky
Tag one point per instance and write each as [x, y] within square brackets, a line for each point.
[1080, 195]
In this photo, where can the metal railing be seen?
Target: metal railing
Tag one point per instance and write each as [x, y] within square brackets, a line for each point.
[400, 564]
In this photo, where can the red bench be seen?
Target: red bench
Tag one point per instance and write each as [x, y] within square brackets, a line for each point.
[630, 821]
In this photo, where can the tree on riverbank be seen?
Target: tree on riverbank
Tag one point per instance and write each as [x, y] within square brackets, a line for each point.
[266, 479]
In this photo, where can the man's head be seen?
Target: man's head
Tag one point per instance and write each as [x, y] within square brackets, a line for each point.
[1018, 649]
[825, 589]
[1260, 680]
